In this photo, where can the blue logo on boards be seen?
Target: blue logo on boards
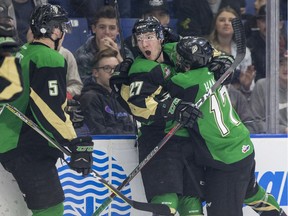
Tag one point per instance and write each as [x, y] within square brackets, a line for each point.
[84, 195]
[275, 183]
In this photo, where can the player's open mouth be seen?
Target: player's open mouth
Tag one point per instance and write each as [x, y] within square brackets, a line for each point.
[148, 53]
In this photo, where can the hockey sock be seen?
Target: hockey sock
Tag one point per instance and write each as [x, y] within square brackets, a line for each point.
[57, 210]
[263, 203]
[170, 199]
[190, 206]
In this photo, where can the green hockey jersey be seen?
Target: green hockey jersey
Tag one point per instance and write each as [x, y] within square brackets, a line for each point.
[148, 81]
[221, 138]
[43, 101]
[11, 85]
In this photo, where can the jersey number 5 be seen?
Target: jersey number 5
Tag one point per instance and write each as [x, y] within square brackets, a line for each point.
[53, 87]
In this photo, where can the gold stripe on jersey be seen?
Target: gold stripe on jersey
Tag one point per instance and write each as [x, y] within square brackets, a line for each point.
[144, 112]
[9, 71]
[64, 128]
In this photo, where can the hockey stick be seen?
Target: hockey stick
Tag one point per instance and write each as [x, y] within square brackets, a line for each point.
[122, 51]
[2, 108]
[150, 207]
[241, 50]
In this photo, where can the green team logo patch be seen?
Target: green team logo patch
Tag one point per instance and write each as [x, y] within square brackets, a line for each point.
[245, 148]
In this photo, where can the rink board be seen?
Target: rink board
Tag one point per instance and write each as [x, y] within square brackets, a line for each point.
[116, 156]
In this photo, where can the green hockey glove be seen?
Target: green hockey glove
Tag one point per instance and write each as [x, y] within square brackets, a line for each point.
[81, 155]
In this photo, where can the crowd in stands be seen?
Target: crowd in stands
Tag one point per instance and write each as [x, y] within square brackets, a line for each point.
[211, 19]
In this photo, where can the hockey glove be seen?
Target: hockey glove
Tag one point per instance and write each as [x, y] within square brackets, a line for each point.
[120, 75]
[74, 111]
[183, 112]
[81, 155]
[170, 36]
[219, 65]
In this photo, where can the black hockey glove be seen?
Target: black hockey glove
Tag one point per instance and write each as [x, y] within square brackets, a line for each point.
[75, 113]
[182, 112]
[120, 75]
[81, 155]
[170, 36]
[219, 65]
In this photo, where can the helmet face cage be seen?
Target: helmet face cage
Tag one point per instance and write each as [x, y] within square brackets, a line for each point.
[193, 52]
[47, 17]
[150, 24]
[7, 28]
[181, 64]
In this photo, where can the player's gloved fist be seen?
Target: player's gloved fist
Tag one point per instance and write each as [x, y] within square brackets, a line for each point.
[183, 112]
[219, 65]
[187, 114]
[170, 36]
[120, 75]
[81, 154]
[74, 110]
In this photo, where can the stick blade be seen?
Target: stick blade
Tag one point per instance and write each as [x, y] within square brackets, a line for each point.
[160, 209]
[240, 38]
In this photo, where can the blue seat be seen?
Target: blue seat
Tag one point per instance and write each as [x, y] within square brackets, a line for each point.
[126, 25]
[79, 35]
[250, 7]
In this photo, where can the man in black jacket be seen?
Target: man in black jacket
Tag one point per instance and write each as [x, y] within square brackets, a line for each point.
[195, 16]
[102, 112]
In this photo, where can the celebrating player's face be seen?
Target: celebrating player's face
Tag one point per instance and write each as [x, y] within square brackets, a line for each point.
[149, 45]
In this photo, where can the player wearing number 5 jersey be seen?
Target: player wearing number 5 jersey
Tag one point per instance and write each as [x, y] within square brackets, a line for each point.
[23, 152]
[222, 143]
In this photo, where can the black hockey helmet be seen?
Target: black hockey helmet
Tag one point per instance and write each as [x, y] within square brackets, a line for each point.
[47, 17]
[149, 24]
[8, 33]
[193, 52]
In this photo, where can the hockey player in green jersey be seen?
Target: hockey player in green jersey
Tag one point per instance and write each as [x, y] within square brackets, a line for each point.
[23, 152]
[166, 177]
[221, 141]
[11, 85]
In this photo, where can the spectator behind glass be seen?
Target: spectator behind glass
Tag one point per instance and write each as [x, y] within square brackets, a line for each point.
[155, 8]
[195, 17]
[73, 81]
[105, 30]
[259, 95]
[257, 43]
[102, 112]
[222, 38]
[88, 8]
[250, 20]
[242, 107]
[20, 11]
[158, 9]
